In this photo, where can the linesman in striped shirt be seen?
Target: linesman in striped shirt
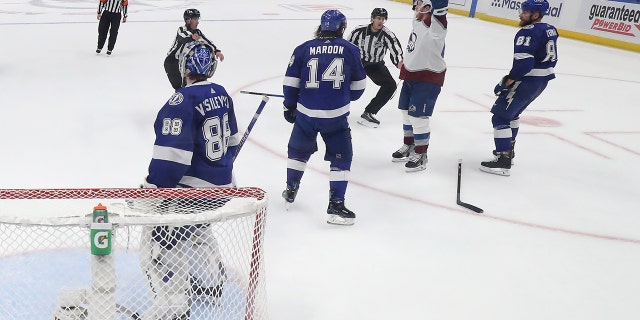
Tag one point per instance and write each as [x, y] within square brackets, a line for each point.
[186, 33]
[374, 40]
[109, 13]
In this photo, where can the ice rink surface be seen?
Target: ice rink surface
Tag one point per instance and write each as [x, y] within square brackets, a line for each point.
[559, 239]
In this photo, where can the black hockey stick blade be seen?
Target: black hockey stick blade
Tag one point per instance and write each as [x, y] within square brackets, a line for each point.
[262, 94]
[460, 203]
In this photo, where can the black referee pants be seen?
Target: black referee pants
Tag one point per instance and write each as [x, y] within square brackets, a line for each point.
[172, 70]
[108, 20]
[380, 75]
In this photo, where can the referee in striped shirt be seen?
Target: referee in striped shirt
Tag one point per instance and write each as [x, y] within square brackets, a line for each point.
[109, 13]
[374, 40]
[186, 33]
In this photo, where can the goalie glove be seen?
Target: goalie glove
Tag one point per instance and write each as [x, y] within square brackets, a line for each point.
[501, 87]
[290, 114]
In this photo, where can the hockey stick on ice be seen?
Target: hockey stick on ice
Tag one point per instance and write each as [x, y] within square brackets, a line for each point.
[263, 94]
[460, 203]
[265, 98]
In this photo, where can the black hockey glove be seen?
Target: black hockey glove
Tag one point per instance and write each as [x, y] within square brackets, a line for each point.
[290, 114]
[501, 87]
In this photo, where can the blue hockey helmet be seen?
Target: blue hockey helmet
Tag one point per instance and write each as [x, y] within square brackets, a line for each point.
[532, 6]
[333, 20]
[197, 58]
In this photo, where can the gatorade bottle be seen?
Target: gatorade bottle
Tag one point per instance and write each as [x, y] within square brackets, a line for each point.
[100, 231]
[100, 214]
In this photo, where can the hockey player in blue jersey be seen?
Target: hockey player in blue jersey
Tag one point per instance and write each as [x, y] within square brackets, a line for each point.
[535, 56]
[196, 138]
[323, 76]
[196, 129]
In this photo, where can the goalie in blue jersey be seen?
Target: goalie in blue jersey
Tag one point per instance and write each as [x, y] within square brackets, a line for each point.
[324, 75]
[196, 138]
[534, 56]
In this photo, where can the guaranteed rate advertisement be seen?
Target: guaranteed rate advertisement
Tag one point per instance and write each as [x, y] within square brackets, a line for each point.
[611, 22]
[612, 19]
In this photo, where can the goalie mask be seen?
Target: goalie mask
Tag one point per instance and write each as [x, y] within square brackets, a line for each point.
[197, 58]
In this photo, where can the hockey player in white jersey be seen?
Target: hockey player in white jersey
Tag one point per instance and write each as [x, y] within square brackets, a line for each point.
[423, 73]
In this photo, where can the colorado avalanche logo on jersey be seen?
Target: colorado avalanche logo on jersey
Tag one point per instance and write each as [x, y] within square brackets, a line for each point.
[411, 45]
[176, 99]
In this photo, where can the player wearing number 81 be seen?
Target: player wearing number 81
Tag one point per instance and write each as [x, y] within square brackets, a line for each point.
[323, 76]
[534, 56]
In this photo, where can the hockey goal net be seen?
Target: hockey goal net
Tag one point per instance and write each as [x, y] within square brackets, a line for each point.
[98, 254]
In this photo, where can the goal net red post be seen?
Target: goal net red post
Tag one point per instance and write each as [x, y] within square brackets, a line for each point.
[130, 253]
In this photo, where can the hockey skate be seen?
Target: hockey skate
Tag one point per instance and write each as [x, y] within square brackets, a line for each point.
[402, 154]
[500, 165]
[289, 194]
[513, 152]
[417, 162]
[339, 214]
[367, 120]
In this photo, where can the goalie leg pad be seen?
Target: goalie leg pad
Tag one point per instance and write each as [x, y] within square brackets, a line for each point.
[168, 274]
[206, 269]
